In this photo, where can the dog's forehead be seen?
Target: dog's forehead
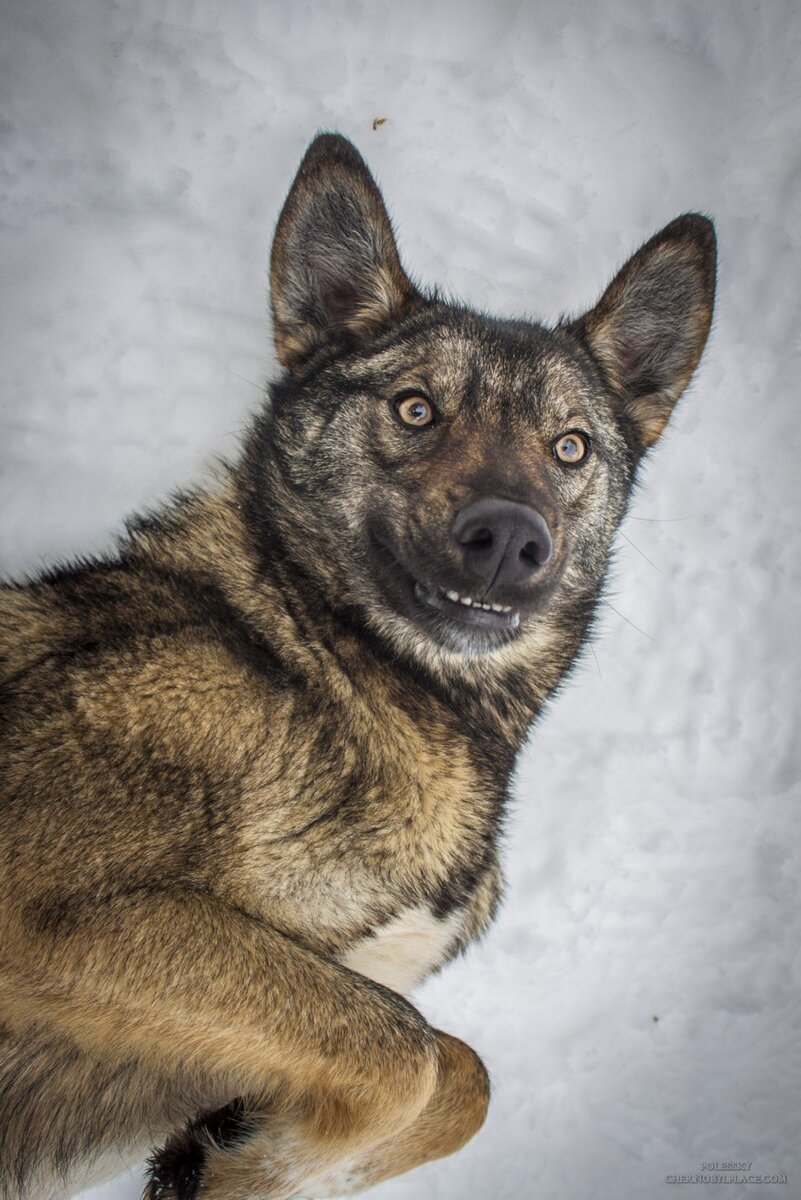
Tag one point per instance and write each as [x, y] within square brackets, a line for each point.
[475, 361]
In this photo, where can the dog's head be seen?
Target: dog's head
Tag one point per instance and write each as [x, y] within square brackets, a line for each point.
[453, 479]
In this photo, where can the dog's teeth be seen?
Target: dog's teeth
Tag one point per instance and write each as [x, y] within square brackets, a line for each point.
[469, 602]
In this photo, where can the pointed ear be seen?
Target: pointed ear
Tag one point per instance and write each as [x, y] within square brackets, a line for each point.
[649, 328]
[334, 268]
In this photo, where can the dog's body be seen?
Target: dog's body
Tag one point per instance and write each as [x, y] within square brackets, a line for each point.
[254, 766]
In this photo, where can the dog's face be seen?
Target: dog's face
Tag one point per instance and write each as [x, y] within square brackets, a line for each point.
[452, 479]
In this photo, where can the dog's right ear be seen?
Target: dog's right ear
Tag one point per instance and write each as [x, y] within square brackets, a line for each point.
[334, 268]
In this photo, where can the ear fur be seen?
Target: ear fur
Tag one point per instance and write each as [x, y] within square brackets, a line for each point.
[648, 330]
[334, 268]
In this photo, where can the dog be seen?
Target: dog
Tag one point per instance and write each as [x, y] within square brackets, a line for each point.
[255, 763]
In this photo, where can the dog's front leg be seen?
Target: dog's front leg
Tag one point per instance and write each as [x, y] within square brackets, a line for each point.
[246, 1150]
[181, 981]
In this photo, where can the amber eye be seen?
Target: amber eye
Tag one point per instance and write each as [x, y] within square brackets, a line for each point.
[414, 410]
[571, 448]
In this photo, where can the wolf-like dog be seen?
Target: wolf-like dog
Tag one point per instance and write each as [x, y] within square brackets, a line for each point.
[255, 763]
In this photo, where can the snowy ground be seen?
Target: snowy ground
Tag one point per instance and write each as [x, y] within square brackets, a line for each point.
[638, 1002]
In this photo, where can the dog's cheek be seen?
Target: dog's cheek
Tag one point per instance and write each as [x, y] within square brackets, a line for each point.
[590, 519]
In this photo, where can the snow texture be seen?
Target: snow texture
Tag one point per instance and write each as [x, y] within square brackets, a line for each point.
[638, 1001]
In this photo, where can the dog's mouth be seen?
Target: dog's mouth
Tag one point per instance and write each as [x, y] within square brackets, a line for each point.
[427, 603]
[502, 617]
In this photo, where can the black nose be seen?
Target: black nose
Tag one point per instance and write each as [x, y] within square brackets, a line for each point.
[503, 542]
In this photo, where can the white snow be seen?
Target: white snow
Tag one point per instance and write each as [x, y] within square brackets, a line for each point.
[653, 853]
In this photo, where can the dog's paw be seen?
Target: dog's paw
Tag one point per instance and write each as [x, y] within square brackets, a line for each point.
[175, 1172]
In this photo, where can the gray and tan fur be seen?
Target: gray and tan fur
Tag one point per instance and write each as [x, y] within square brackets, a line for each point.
[255, 764]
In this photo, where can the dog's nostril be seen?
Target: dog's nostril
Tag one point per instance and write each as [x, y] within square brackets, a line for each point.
[537, 553]
[481, 537]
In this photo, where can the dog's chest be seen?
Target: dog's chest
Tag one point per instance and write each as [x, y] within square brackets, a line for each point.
[403, 951]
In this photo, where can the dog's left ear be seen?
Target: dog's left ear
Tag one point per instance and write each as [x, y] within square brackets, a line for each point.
[648, 330]
[334, 269]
